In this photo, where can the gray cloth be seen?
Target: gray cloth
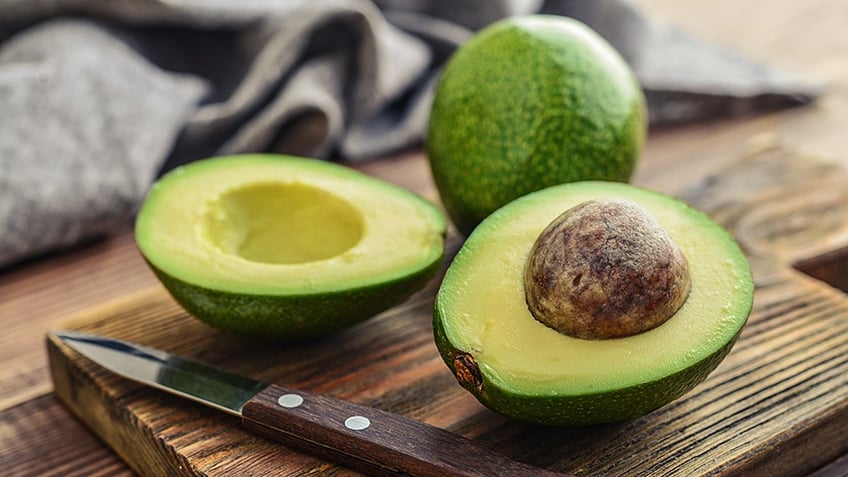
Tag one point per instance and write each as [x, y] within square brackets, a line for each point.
[98, 98]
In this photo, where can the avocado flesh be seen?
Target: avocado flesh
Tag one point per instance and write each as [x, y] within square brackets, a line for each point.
[281, 247]
[282, 223]
[534, 373]
[527, 103]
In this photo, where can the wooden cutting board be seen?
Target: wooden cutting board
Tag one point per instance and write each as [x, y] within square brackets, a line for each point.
[778, 405]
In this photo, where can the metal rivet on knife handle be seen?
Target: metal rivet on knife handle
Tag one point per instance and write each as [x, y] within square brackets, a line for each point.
[327, 427]
[334, 429]
[357, 423]
[290, 400]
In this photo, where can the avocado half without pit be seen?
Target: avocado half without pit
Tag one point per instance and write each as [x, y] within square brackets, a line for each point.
[280, 247]
[591, 302]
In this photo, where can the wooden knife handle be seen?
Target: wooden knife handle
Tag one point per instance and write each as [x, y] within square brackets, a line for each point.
[371, 440]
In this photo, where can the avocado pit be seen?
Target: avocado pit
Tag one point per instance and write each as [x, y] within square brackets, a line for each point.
[605, 269]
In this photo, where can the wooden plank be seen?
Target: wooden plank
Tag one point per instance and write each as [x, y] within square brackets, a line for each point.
[837, 468]
[38, 296]
[675, 156]
[74, 452]
[778, 405]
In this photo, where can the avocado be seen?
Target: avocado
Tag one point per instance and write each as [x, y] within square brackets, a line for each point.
[279, 247]
[530, 102]
[535, 370]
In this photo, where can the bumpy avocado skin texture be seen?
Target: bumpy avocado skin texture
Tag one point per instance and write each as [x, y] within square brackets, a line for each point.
[589, 408]
[528, 103]
[278, 318]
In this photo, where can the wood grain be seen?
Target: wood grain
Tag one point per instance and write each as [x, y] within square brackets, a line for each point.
[45, 420]
[809, 38]
[387, 444]
[44, 292]
[778, 405]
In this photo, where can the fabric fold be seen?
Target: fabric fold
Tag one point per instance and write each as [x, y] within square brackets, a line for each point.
[101, 97]
[75, 145]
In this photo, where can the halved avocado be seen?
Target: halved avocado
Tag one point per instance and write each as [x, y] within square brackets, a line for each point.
[280, 247]
[524, 369]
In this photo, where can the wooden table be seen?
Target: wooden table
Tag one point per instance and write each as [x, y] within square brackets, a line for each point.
[38, 436]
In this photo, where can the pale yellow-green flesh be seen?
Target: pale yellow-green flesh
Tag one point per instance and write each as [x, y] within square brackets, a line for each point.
[265, 225]
[482, 301]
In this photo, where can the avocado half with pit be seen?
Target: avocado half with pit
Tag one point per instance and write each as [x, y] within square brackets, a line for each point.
[574, 244]
[279, 247]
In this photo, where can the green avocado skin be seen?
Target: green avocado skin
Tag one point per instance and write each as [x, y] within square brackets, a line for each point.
[527, 103]
[293, 317]
[586, 409]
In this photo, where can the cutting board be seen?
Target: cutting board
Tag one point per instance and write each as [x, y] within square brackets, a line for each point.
[778, 405]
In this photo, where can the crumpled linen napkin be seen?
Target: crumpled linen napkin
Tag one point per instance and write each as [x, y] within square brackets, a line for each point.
[98, 98]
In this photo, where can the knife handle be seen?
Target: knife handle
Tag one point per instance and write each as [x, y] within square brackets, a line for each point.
[371, 440]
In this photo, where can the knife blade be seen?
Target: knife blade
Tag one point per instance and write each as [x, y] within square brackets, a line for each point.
[360, 437]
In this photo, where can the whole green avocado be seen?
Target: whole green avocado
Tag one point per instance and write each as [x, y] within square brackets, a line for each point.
[527, 103]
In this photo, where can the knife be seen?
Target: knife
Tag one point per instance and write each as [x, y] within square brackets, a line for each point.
[363, 438]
